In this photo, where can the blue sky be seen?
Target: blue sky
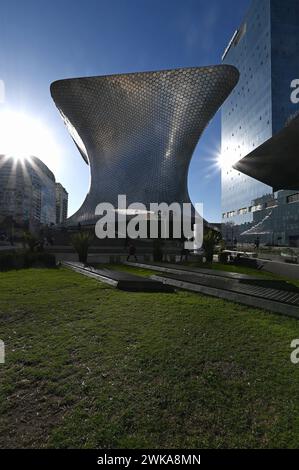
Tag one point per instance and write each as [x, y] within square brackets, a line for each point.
[45, 40]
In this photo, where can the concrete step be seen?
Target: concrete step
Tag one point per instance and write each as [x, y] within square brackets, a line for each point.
[120, 280]
[244, 289]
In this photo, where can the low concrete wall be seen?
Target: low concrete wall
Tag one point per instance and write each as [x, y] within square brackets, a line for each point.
[108, 258]
[257, 302]
[281, 269]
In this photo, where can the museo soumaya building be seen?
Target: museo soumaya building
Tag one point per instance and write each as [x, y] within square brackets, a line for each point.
[138, 131]
[260, 128]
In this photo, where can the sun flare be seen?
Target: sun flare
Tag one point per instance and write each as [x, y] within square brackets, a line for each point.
[22, 136]
[226, 160]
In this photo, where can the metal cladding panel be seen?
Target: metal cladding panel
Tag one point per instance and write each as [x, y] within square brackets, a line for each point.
[138, 131]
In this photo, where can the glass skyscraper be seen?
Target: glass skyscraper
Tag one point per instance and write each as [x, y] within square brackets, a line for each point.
[265, 49]
[61, 204]
[27, 191]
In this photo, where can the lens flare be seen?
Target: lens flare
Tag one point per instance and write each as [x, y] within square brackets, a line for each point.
[22, 136]
[226, 160]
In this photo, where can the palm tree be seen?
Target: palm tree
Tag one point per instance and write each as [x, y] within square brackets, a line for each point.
[81, 242]
[210, 240]
[30, 240]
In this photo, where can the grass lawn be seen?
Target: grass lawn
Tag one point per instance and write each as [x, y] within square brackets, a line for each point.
[91, 366]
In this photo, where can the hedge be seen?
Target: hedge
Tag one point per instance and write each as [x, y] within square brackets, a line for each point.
[20, 260]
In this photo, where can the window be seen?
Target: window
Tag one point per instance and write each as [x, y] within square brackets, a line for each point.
[259, 207]
[242, 211]
[293, 198]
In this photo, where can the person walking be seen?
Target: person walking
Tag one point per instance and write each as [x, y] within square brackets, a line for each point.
[132, 252]
[257, 243]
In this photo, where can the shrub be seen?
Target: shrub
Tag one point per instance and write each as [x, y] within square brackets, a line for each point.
[223, 257]
[48, 259]
[81, 242]
[42, 259]
[210, 240]
[7, 261]
[28, 259]
[30, 240]
[246, 262]
[158, 250]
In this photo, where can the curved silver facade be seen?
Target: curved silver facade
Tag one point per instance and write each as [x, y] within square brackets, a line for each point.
[138, 131]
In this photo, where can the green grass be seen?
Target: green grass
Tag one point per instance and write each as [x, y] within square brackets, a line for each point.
[90, 366]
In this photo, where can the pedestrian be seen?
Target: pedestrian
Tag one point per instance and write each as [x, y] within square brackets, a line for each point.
[257, 243]
[132, 252]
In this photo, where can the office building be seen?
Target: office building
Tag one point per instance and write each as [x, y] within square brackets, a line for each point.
[265, 50]
[27, 191]
[61, 204]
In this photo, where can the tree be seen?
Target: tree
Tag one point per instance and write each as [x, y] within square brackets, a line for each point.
[158, 249]
[30, 240]
[210, 240]
[81, 242]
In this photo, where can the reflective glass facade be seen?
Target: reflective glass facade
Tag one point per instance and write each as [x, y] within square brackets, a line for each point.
[61, 204]
[27, 191]
[265, 49]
